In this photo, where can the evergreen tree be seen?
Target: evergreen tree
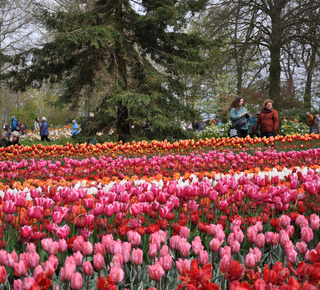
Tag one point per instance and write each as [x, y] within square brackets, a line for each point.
[131, 56]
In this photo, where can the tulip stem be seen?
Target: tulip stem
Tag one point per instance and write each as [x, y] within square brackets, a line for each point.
[87, 282]
[165, 281]
[66, 285]
[137, 282]
[212, 262]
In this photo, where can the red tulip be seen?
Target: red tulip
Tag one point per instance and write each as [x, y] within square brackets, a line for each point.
[3, 274]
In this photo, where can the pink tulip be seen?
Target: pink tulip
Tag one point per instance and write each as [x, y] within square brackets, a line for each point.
[225, 261]
[46, 244]
[9, 207]
[117, 261]
[184, 232]
[203, 258]
[182, 266]
[54, 248]
[63, 232]
[20, 269]
[155, 272]
[48, 269]
[31, 248]
[12, 258]
[301, 247]
[26, 232]
[137, 256]
[63, 246]
[257, 253]
[17, 285]
[134, 238]
[184, 247]
[99, 248]
[135, 209]
[252, 234]
[174, 240]
[225, 251]
[126, 251]
[306, 234]
[235, 247]
[37, 271]
[76, 281]
[260, 240]
[87, 249]
[78, 258]
[314, 222]
[215, 245]
[33, 260]
[290, 230]
[54, 261]
[87, 268]
[167, 263]
[271, 238]
[98, 261]
[3, 257]
[67, 271]
[78, 244]
[285, 221]
[250, 261]
[117, 274]
[197, 247]
[28, 282]
[164, 251]
[153, 250]
[292, 256]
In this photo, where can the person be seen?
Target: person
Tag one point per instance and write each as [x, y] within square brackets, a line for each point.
[268, 120]
[36, 125]
[190, 127]
[219, 122]
[44, 132]
[196, 125]
[5, 127]
[238, 115]
[310, 122]
[183, 125]
[14, 124]
[316, 124]
[8, 139]
[252, 121]
[202, 125]
[75, 128]
[24, 129]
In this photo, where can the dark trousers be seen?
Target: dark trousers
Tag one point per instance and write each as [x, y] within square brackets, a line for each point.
[44, 137]
[267, 134]
[243, 133]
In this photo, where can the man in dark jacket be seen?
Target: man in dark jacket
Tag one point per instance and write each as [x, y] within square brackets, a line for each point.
[10, 139]
[44, 132]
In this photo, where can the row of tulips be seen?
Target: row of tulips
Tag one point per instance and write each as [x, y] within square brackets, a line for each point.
[138, 234]
[111, 149]
[122, 167]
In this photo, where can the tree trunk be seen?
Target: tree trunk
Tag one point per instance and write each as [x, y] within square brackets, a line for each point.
[275, 50]
[123, 126]
[310, 70]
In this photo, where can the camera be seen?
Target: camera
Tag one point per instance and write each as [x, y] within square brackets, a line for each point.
[247, 116]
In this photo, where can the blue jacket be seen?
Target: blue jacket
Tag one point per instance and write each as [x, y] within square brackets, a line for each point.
[234, 115]
[14, 124]
[44, 128]
[75, 129]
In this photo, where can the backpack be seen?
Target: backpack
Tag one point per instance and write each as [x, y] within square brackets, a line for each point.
[18, 128]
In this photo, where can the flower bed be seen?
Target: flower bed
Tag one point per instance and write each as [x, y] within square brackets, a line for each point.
[215, 219]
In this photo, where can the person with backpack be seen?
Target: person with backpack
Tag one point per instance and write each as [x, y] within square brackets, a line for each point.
[239, 116]
[268, 120]
[44, 132]
[310, 120]
[14, 124]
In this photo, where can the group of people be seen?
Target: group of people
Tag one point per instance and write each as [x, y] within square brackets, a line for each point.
[267, 121]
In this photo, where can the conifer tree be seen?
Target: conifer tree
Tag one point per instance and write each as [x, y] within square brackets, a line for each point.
[129, 52]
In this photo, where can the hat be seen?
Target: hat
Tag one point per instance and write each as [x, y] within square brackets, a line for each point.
[73, 121]
[44, 118]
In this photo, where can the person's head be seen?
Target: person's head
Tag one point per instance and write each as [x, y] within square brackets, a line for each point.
[43, 119]
[308, 114]
[12, 117]
[267, 104]
[91, 114]
[237, 103]
[14, 137]
[37, 119]
[73, 121]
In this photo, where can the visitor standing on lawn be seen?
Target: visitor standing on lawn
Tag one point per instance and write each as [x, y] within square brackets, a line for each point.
[44, 132]
[268, 120]
[310, 122]
[316, 124]
[237, 114]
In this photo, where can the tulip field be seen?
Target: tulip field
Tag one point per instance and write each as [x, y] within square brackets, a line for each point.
[212, 214]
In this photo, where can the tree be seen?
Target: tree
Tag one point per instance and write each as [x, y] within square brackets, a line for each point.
[131, 60]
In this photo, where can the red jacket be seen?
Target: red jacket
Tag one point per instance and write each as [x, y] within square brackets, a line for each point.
[268, 122]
